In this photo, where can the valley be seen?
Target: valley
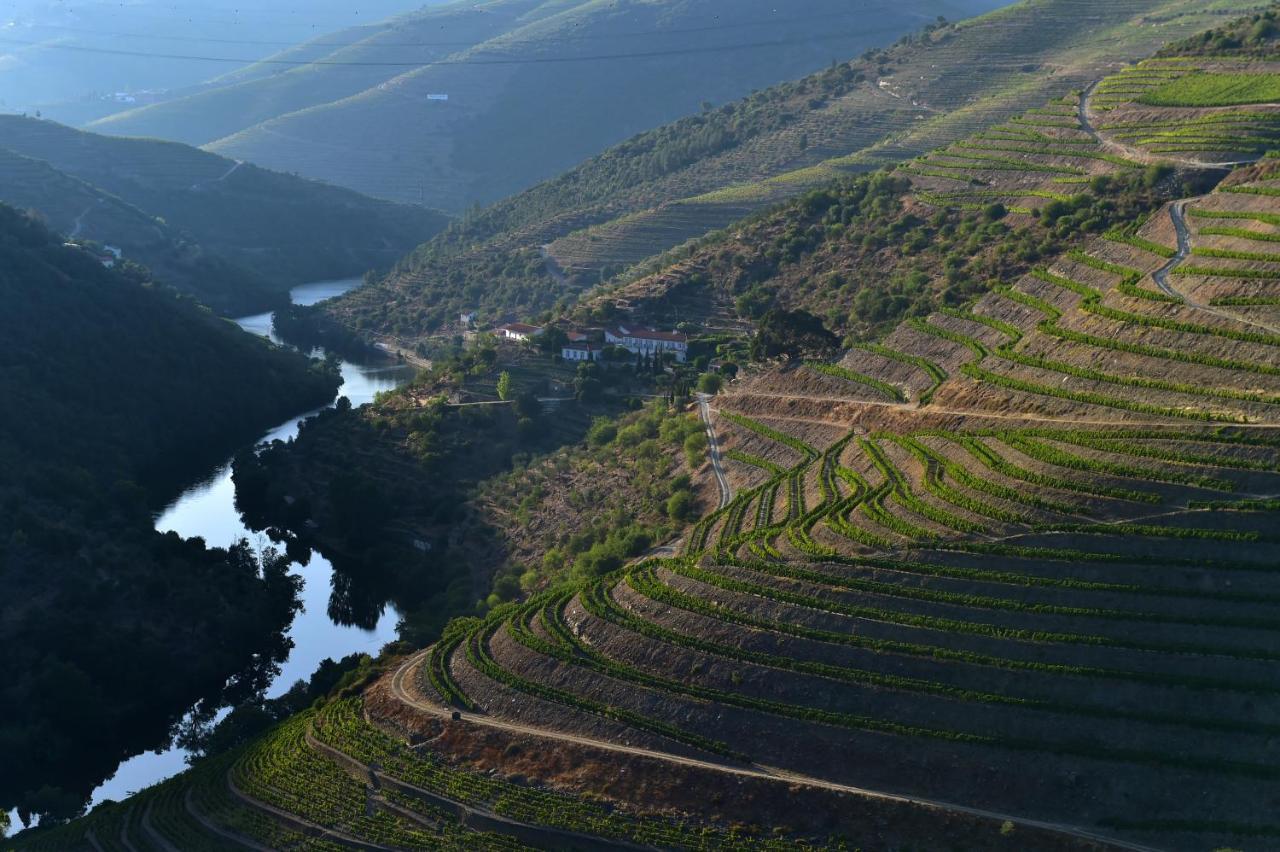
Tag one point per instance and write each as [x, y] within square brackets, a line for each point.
[887, 459]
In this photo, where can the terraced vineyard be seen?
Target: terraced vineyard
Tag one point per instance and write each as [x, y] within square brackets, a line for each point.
[988, 71]
[630, 203]
[1004, 579]
[1185, 110]
[1031, 541]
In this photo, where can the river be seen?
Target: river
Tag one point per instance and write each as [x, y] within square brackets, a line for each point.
[207, 509]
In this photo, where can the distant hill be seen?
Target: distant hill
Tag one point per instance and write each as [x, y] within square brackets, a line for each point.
[111, 387]
[678, 182]
[233, 235]
[1027, 537]
[533, 86]
[81, 61]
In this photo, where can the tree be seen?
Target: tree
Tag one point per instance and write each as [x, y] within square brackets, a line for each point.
[710, 383]
[791, 333]
[504, 386]
[680, 506]
[695, 449]
[552, 339]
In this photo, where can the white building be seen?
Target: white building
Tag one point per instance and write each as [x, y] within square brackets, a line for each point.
[647, 341]
[468, 318]
[517, 331]
[579, 352]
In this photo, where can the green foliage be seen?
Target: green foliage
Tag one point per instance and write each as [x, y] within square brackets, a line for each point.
[695, 449]
[710, 383]
[119, 382]
[237, 244]
[1204, 89]
[790, 333]
[888, 390]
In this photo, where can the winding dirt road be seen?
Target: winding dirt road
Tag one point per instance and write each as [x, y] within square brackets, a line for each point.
[717, 461]
[1178, 213]
[419, 703]
[1086, 115]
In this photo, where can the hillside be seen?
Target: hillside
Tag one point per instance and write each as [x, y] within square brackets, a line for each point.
[113, 390]
[72, 62]
[533, 87]
[235, 236]
[676, 183]
[996, 572]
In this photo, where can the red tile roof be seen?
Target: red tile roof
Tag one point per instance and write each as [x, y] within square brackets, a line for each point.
[641, 333]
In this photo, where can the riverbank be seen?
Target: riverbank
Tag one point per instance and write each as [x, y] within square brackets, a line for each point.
[206, 509]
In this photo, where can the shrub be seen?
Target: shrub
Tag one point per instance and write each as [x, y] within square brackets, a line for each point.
[695, 449]
[680, 506]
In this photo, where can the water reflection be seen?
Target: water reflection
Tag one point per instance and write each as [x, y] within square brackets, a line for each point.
[207, 510]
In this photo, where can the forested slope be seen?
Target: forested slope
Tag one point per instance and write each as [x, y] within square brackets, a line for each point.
[109, 631]
[234, 235]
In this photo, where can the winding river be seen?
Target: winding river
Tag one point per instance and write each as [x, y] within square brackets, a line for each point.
[207, 509]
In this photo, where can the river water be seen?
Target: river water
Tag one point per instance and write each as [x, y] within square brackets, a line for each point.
[207, 509]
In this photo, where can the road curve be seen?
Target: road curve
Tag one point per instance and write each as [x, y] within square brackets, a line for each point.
[412, 664]
[1085, 111]
[1177, 212]
[717, 462]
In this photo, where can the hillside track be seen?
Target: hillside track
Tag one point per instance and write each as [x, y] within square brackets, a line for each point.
[154, 837]
[467, 815]
[1087, 118]
[240, 841]
[303, 825]
[1178, 214]
[407, 672]
[717, 462]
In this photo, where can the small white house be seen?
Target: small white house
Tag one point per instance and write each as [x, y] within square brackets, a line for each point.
[639, 340]
[579, 352]
[467, 318]
[518, 331]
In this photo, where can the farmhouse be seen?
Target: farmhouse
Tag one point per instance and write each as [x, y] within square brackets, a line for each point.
[517, 331]
[580, 351]
[647, 341]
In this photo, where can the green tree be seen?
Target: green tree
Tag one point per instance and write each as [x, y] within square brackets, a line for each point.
[680, 506]
[695, 449]
[710, 383]
[504, 386]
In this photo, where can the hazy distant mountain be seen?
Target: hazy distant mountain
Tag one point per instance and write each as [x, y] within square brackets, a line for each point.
[532, 87]
[80, 61]
[233, 235]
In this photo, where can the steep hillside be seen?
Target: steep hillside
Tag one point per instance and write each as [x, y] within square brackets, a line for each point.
[676, 183]
[937, 564]
[71, 61]
[533, 87]
[1002, 579]
[113, 389]
[325, 69]
[234, 235]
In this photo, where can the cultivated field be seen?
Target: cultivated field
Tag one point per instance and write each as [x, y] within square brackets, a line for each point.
[1004, 579]
[1028, 542]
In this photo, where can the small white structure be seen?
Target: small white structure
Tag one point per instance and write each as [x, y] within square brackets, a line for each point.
[468, 318]
[639, 340]
[437, 97]
[517, 331]
[579, 352]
